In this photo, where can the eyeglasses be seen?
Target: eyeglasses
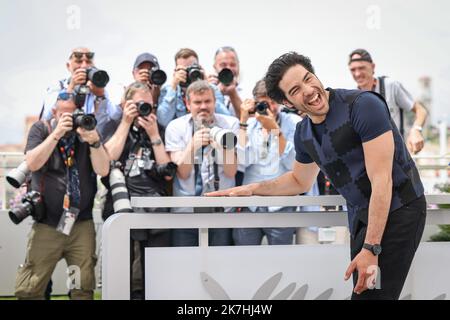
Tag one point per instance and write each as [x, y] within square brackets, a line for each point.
[79, 55]
[65, 96]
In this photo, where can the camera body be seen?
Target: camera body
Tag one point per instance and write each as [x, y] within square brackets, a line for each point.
[226, 76]
[223, 137]
[157, 76]
[165, 170]
[31, 205]
[144, 108]
[193, 73]
[85, 121]
[16, 177]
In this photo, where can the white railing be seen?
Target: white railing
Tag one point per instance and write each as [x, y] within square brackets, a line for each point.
[116, 230]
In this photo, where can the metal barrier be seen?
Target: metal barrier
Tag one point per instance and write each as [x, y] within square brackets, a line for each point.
[116, 230]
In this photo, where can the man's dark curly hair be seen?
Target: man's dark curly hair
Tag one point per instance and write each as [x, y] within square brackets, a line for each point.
[277, 70]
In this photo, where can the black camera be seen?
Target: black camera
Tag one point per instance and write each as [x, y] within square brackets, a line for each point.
[85, 121]
[99, 78]
[144, 108]
[261, 108]
[226, 76]
[31, 206]
[193, 73]
[166, 170]
[81, 92]
[157, 76]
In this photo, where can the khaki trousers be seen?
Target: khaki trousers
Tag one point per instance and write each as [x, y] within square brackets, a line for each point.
[46, 247]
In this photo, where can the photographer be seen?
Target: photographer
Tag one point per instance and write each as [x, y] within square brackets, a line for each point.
[172, 101]
[266, 151]
[226, 60]
[146, 70]
[64, 161]
[138, 145]
[96, 100]
[204, 162]
[397, 97]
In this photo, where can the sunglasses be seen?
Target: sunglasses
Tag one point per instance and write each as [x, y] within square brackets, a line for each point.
[65, 96]
[79, 55]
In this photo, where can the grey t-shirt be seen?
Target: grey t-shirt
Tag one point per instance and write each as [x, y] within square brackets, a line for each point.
[397, 97]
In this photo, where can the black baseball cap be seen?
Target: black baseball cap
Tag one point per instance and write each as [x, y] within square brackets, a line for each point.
[363, 56]
[146, 57]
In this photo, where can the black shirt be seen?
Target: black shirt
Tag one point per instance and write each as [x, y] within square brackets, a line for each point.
[51, 179]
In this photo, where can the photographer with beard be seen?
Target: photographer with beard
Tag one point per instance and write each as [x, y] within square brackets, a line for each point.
[203, 164]
[138, 145]
[64, 159]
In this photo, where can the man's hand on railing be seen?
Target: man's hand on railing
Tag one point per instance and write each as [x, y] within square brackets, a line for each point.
[242, 191]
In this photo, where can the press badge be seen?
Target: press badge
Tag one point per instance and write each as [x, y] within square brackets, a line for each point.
[67, 220]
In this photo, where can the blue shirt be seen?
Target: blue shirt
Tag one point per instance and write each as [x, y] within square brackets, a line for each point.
[171, 104]
[260, 159]
[107, 112]
[369, 119]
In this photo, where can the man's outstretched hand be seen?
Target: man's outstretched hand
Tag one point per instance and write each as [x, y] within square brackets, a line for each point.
[242, 191]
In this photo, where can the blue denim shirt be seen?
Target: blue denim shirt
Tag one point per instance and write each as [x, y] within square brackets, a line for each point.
[171, 104]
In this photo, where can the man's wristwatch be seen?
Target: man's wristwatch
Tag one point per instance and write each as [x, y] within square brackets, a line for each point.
[157, 142]
[96, 144]
[418, 128]
[374, 248]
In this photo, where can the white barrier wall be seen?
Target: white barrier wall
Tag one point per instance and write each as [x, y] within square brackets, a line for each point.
[279, 272]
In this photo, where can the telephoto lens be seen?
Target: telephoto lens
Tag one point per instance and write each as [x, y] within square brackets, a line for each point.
[16, 177]
[85, 121]
[144, 108]
[226, 76]
[98, 77]
[261, 107]
[157, 76]
[223, 137]
[119, 191]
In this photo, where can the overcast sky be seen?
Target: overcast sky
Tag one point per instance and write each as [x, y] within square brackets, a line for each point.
[407, 40]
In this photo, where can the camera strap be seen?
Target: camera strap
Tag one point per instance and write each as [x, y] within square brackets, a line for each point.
[216, 171]
[383, 94]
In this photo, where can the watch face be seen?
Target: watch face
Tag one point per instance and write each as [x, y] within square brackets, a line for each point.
[377, 249]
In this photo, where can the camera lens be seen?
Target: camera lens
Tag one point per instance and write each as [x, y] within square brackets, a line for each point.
[158, 77]
[88, 122]
[226, 76]
[98, 77]
[144, 108]
[261, 107]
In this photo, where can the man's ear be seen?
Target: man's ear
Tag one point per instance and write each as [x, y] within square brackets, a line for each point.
[288, 104]
[373, 68]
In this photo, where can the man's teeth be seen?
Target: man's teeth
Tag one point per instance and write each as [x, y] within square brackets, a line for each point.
[316, 97]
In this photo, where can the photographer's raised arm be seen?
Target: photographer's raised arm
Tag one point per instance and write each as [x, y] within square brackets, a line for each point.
[37, 157]
[185, 159]
[99, 156]
[115, 145]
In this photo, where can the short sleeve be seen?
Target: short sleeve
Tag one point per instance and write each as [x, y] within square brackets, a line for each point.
[37, 134]
[300, 152]
[403, 98]
[174, 139]
[370, 116]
